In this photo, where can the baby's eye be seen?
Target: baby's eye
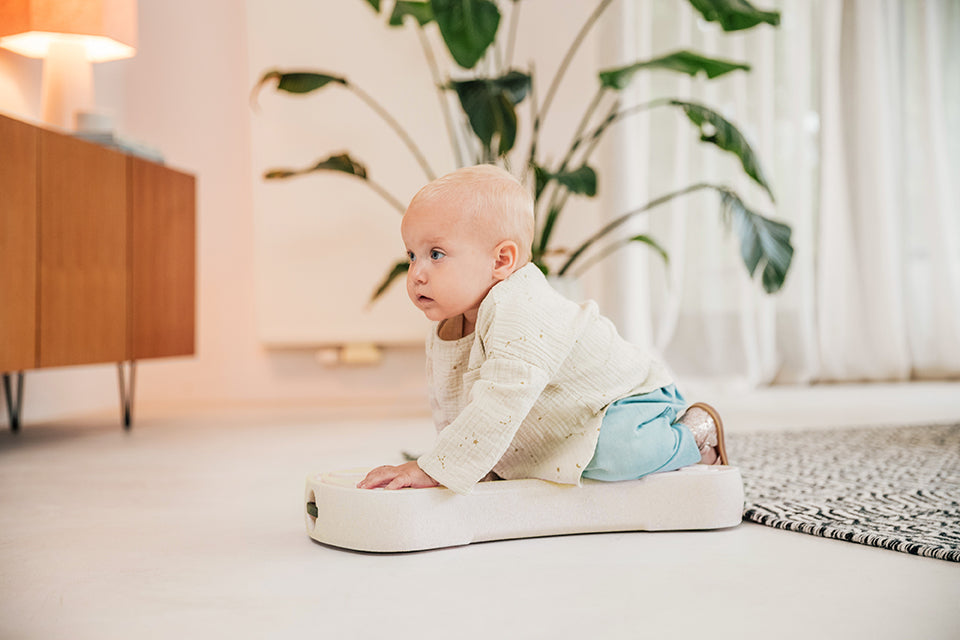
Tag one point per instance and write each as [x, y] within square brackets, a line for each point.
[410, 256]
[436, 254]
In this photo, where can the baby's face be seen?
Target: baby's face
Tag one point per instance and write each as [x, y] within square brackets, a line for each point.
[451, 261]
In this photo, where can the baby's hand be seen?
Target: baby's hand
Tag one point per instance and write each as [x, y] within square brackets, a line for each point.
[406, 475]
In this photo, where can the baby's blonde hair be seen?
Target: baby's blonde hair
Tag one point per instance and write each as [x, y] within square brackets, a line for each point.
[491, 196]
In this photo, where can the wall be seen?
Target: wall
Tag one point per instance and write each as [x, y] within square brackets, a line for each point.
[295, 219]
[187, 93]
[328, 223]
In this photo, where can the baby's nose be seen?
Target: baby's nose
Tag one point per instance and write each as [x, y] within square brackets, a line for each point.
[418, 273]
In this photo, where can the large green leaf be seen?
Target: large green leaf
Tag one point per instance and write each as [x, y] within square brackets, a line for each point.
[341, 162]
[298, 81]
[734, 15]
[468, 27]
[489, 105]
[652, 243]
[398, 269]
[421, 11]
[687, 62]
[715, 129]
[514, 84]
[762, 242]
[582, 181]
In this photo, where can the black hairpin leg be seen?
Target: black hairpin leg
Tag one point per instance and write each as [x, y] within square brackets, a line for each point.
[14, 404]
[126, 391]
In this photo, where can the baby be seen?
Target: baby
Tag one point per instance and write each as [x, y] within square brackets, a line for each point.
[525, 383]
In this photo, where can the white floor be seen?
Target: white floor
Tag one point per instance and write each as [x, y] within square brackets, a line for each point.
[191, 526]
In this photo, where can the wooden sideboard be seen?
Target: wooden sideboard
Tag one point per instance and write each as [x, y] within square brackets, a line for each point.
[97, 258]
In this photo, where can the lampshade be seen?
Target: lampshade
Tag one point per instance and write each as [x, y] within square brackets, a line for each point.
[70, 35]
[107, 29]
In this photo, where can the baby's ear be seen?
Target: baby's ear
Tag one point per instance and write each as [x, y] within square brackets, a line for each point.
[507, 259]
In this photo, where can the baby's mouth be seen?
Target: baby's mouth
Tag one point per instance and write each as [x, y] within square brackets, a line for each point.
[424, 299]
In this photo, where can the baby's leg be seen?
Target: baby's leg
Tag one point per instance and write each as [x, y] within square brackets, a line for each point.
[707, 428]
[640, 435]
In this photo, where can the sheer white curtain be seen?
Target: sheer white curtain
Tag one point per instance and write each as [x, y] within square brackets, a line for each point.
[853, 109]
[889, 235]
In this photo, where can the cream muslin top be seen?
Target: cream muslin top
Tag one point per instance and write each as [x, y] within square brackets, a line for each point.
[524, 395]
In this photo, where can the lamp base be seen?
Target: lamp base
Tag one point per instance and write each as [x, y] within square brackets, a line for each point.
[67, 83]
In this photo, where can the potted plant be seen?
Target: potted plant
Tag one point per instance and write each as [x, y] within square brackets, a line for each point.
[485, 128]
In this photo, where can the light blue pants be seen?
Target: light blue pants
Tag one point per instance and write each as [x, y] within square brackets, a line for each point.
[638, 437]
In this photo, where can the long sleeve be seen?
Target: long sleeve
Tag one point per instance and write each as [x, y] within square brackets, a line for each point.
[468, 448]
[515, 352]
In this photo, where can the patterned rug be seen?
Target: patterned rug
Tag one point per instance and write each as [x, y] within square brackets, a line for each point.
[891, 487]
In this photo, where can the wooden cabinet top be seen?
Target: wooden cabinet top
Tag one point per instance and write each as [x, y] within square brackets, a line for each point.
[117, 146]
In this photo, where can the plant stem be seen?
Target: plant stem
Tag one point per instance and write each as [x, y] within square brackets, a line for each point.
[541, 114]
[627, 216]
[595, 140]
[588, 114]
[534, 135]
[529, 173]
[600, 256]
[512, 35]
[612, 117]
[441, 94]
[494, 61]
[386, 195]
[536, 124]
[396, 127]
[618, 116]
[559, 195]
[555, 83]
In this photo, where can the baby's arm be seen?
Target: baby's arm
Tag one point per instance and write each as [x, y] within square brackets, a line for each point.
[470, 446]
[405, 475]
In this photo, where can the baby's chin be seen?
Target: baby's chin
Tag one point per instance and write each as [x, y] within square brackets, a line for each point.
[435, 316]
[429, 308]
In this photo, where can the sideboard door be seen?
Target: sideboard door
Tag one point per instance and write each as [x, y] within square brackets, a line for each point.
[18, 245]
[162, 261]
[83, 252]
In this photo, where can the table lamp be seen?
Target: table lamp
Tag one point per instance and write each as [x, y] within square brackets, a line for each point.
[69, 35]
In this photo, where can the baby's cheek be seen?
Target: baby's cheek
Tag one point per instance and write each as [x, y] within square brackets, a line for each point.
[410, 286]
